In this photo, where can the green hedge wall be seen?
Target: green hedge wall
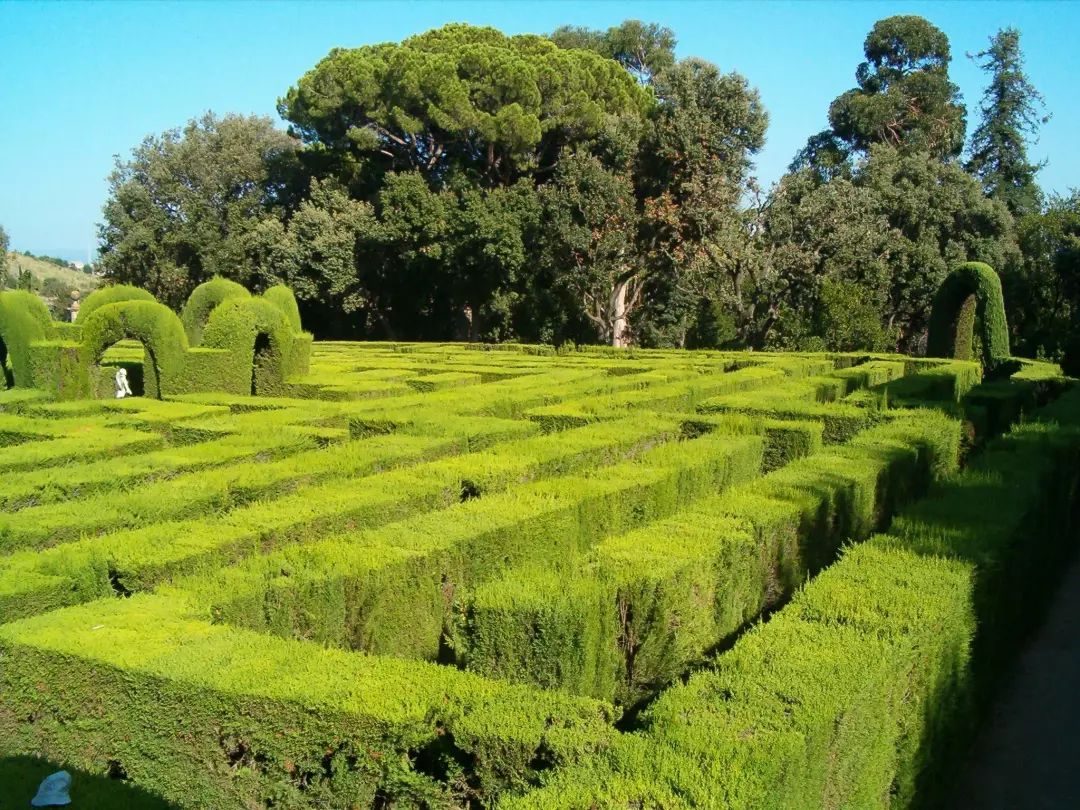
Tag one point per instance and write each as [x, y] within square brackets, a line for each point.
[57, 367]
[647, 604]
[203, 300]
[952, 317]
[863, 690]
[24, 319]
[282, 297]
[191, 708]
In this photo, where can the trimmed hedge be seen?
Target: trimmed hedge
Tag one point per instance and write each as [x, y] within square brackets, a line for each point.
[810, 398]
[385, 590]
[87, 478]
[862, 691]
[155, 325]
[239, 325]
[58, 368]
[647, 604]
[113, 294]
[217, 717]
[282, 297]
[203, 300]
[953, 316]
[24, 319]
[140, 558]
[391, 590]
[232, 359]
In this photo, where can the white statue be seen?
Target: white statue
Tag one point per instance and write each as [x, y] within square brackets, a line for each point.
[122, 387]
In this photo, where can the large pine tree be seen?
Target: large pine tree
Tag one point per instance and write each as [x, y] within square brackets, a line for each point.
[1010, 111]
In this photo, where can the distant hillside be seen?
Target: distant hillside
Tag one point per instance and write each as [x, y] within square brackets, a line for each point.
[41, 270]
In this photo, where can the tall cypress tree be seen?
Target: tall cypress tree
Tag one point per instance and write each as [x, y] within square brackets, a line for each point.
[1010, 111]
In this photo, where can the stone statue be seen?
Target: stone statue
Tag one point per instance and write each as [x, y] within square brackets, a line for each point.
[122, 387]
[73, 309]
[53, 791]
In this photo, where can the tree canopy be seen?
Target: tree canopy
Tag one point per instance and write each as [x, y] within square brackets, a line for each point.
[587, 185]
[458, 101]
[181, 208]
[903, 98]
[644, 49]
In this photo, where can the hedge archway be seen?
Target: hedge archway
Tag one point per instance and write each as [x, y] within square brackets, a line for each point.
[111, 295]
[970, 294]
[244, 326]
[24, 319]
[154, 325]
[203, 300]
[282, 297]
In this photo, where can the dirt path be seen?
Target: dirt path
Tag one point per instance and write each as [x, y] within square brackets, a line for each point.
[1027, 756]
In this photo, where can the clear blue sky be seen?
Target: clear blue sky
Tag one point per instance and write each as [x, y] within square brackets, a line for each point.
[82, 82]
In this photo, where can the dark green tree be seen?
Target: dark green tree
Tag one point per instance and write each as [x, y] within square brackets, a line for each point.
[5, 245]
[57, 296]
[1010, 114]
[589, 242]
[1042, 295]
[895, 228]
[456, 101]
[941, 218]
[181, 209]
[904, 98]
[328, 254]
[815, 236]
[694, 172]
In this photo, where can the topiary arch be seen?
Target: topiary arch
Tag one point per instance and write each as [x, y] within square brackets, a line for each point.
[155, 325]
[970, 293]
[203, 300]
[258, 334]
[111, 295]
[283, 298]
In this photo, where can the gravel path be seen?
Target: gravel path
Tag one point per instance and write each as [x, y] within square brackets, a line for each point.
[1027, 756]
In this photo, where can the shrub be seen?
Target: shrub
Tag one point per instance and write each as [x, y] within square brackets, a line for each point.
[110, 295]
[261, 343]
[649, 603]
[328, 729]
[155, 325]
[282, 297]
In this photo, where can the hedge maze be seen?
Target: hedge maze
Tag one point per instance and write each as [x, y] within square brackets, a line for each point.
[438, 576]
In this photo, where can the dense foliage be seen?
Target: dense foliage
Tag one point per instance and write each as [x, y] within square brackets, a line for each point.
[588, 186]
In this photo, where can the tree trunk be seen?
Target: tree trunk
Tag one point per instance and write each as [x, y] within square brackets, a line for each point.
[619, 314]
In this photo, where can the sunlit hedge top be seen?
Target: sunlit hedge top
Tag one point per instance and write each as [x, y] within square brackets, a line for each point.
[203, 300]
[111, 295]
